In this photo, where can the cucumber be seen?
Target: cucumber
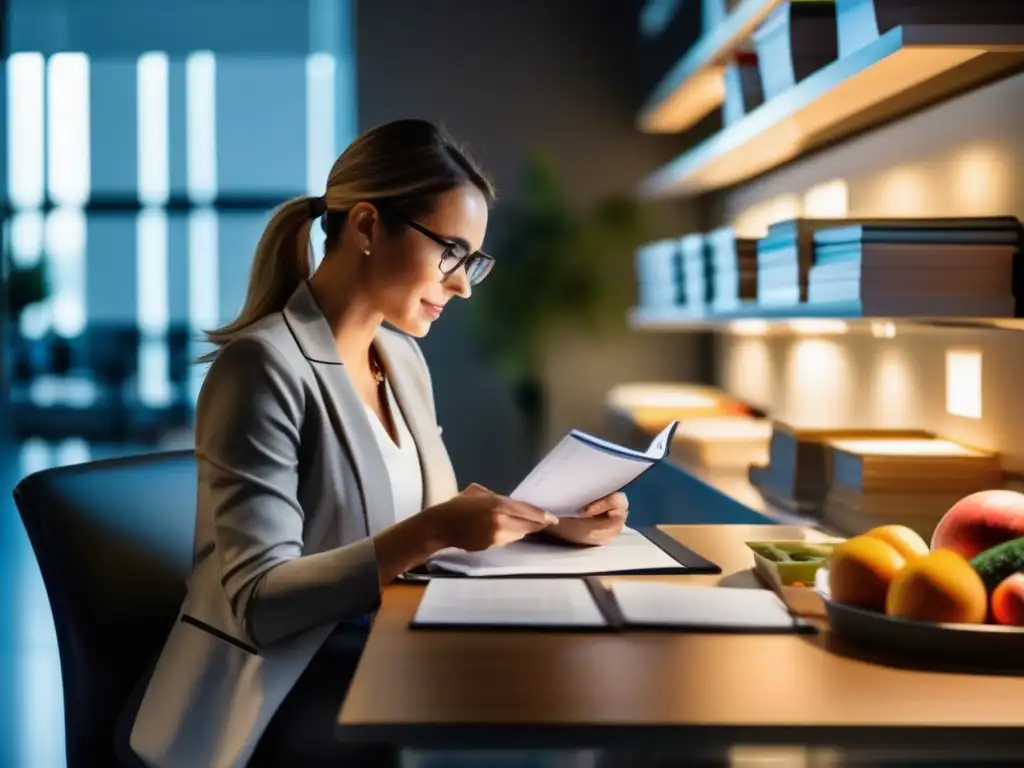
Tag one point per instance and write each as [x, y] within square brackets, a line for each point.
[995, 564]
[777, 554]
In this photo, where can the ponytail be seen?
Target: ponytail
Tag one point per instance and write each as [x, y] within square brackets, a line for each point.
[282, 262]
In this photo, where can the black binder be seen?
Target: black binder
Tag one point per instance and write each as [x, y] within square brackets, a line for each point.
[689, 562]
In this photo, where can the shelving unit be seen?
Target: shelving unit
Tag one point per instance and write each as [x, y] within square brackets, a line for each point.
[694, 87]
[906, 69]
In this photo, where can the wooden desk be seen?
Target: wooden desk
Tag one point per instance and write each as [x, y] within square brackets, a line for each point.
[501, 689]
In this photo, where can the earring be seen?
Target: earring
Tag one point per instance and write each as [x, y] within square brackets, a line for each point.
[366, 253]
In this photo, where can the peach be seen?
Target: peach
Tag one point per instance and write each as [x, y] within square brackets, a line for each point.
[980, 521]
[860, 571]
[940, 587]
[1008, 601]
[903, 539]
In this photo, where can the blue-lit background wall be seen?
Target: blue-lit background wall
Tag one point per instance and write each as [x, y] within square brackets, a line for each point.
[145, 144]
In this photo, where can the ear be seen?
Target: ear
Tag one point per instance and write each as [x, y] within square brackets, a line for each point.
[363, 225]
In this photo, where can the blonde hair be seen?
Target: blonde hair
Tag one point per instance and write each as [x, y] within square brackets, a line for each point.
[401, 166]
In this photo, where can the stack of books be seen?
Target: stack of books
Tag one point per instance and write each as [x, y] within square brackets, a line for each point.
[862, 21]
[943, 267]
[724, 442]
[784, 259]
[796, 40]
[733, 269]
[798, 474]
[742, 87]
[658, 275]
[908, 481]
[694, 258]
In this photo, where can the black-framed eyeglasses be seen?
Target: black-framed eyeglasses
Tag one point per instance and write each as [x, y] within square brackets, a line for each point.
[455, 255]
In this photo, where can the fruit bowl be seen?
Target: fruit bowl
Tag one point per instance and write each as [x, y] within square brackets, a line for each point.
[963, 645]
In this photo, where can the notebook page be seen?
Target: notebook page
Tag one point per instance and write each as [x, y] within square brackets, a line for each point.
[670, 605]
[629, 551]
[576, 473]
[509, 602]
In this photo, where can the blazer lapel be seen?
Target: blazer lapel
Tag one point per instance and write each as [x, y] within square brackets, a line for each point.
[348, 412]
[403, 367]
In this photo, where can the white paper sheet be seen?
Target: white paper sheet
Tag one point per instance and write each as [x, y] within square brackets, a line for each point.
[509, 602]
[583, 468]
[654, 604]
[629, 551]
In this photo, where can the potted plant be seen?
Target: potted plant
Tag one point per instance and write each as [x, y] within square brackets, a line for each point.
[556, 267]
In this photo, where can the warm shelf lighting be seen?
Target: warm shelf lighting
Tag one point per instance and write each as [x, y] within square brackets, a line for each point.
[963, 383]
[818, 327]
[883, 330]
[830, 200]
[749, 327]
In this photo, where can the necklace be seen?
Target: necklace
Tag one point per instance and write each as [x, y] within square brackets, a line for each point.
[375, 368]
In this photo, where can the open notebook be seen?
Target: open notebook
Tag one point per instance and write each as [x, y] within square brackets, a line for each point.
[583, 468]
[587, 605]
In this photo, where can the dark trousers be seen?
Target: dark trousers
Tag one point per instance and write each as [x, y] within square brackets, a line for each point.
[302, 731]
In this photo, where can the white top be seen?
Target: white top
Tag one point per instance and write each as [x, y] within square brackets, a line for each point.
[402, 460]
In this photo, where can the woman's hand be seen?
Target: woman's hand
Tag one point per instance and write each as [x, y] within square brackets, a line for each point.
[479, 519]
[598, 523]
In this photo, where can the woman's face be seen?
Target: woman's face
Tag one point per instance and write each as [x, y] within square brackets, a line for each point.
[403, 267]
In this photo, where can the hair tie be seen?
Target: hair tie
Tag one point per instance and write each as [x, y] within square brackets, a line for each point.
[317, 207]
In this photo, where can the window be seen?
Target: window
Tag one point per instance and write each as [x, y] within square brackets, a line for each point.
[138, 187]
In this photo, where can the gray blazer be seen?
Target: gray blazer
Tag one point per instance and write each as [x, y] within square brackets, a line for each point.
[292, 487]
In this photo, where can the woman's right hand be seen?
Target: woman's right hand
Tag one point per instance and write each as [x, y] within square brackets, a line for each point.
[478, 519]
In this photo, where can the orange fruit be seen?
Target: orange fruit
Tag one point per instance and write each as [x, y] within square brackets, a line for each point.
[860, 571]
[941, 587]
[903, 539]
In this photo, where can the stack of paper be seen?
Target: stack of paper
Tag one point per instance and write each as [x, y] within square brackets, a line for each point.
[733, 267]
[944, 267]
[911, 481]
[795, 41]
[911, 465]
[799, 470]
[653, 405]
[659, 276]
[727, 442]
[784, 259]
[693, 253]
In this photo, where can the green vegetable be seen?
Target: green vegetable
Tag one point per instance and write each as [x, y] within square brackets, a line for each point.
[776, 554]
[995, 564]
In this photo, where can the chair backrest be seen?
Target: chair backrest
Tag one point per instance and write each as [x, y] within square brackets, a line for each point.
[114, 543]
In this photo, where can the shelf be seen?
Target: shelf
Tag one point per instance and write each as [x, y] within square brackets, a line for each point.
[907, 68]
[694, 87]
[683, 320]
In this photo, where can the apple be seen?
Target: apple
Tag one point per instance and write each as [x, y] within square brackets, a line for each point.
[980, 521]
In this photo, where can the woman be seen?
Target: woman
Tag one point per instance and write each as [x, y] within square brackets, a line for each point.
[322, 474]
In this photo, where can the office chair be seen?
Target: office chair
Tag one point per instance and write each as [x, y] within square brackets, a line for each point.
[114, 543]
